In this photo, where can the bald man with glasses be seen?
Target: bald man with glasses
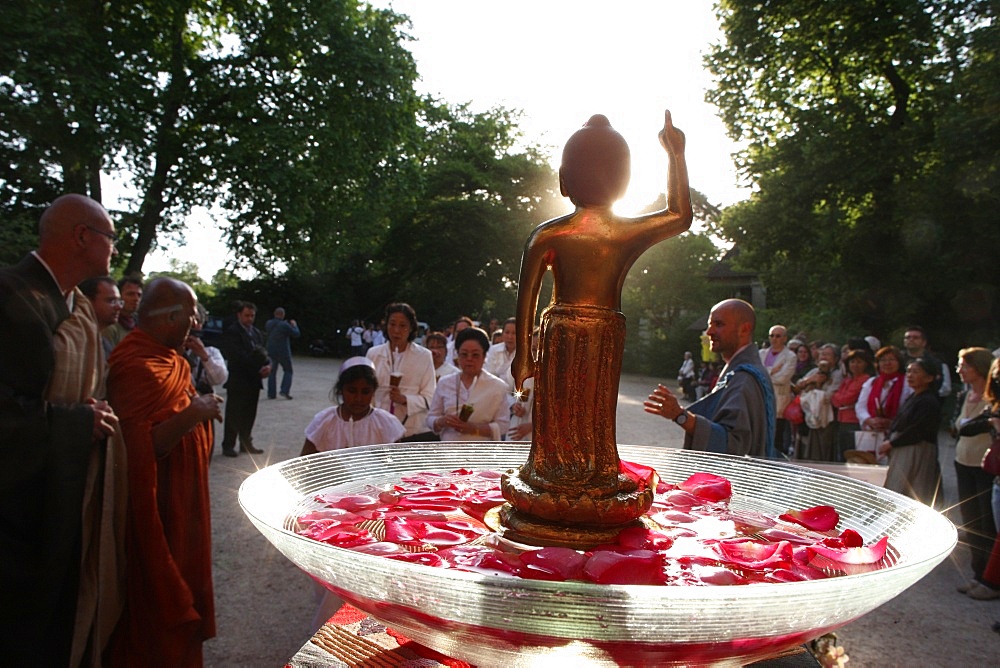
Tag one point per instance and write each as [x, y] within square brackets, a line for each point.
[54, 445]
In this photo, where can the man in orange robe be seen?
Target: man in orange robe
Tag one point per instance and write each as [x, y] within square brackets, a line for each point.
[170, 609]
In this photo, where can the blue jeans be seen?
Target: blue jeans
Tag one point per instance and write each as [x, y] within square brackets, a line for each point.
[283, 360]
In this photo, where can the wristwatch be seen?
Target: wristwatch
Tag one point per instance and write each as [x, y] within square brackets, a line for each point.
[681, 419]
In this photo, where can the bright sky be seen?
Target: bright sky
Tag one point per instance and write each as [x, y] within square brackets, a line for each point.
[560, 62]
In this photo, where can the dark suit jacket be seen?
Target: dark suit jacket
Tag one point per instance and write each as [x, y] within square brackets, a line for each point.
[44, 454]
[245, 355]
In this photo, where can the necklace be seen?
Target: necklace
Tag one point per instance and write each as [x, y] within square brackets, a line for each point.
[348, 418]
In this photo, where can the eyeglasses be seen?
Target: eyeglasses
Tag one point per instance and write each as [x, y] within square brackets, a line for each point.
[113, 236]
[116, 302]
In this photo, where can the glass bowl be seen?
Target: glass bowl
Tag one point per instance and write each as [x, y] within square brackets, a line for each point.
[499, 621]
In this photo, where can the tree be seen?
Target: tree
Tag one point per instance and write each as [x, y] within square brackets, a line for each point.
[187, 272]
[850, 112]
[288, 115]
[455, 243]
[666, 291]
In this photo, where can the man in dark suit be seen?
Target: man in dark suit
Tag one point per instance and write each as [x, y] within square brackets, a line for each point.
[248, 364]
[47, 440]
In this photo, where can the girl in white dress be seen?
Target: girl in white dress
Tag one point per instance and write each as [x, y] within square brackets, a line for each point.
[352, 421]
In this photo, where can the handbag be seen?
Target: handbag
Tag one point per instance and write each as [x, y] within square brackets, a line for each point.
[817, 409]
[793, 412]
[991, 460]
[868, 441]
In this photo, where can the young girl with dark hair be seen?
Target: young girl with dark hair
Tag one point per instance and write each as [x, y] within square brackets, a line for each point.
[353, 420]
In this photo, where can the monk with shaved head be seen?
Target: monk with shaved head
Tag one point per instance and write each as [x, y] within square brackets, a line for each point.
[54, 448]
[170, 608]
[738, 416]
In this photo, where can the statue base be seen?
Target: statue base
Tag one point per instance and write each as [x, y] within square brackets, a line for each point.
[570, 516]
[511, 525]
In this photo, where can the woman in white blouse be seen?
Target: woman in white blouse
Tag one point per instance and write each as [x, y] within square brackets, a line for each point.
[483, 396]
[405, 372]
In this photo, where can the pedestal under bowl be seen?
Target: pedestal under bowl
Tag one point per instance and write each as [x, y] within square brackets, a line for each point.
[500, 621]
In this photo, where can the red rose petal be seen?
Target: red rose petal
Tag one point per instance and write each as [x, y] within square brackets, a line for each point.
[482, 559]
[644, 476]
[683, 500]
[708, 486]
[642, 567]
[755, 554]
[870, 554]
[553, 563]
[424, 558]
[381, 549]
[424, 511]
[847, 538]
[344, 517]
[641, 538]
[350, 502]
[817, 518]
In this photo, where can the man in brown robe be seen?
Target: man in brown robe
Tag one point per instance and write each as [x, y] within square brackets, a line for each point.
[53, 441]
[170, 608]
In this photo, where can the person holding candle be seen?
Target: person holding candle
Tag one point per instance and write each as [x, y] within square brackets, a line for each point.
[472, 405]
[405, 372]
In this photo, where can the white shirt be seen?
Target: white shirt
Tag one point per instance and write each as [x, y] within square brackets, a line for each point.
[498, 361]
[529, 406]
[216, 372]
[445, 369]
[417, 367]
[329, 431]
[487, 393]
[355, 334]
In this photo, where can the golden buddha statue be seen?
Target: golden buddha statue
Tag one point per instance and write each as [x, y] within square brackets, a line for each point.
[572, 475]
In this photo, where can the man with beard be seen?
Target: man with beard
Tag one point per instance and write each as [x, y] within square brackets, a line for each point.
[738, 416]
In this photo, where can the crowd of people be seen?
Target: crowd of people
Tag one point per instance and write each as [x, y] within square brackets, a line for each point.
[107, 387]
[107, 404]
[859, 402]
[105, 534]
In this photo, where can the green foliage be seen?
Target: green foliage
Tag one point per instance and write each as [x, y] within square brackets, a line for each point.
[666, 292]
[872, 141]
[188, 272]
[18, 234]
[454, 246]
[287, 115]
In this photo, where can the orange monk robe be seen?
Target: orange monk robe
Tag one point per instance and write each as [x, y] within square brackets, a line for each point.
[170, 608]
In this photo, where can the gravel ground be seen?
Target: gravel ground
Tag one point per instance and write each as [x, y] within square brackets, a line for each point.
[264, 604]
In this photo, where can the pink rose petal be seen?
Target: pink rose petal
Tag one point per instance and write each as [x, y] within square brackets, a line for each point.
[869, 554]
[817, 518]
[755, 554]
[708, 486]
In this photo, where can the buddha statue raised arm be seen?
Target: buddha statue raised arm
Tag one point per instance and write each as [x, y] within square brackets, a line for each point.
[572, 473]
